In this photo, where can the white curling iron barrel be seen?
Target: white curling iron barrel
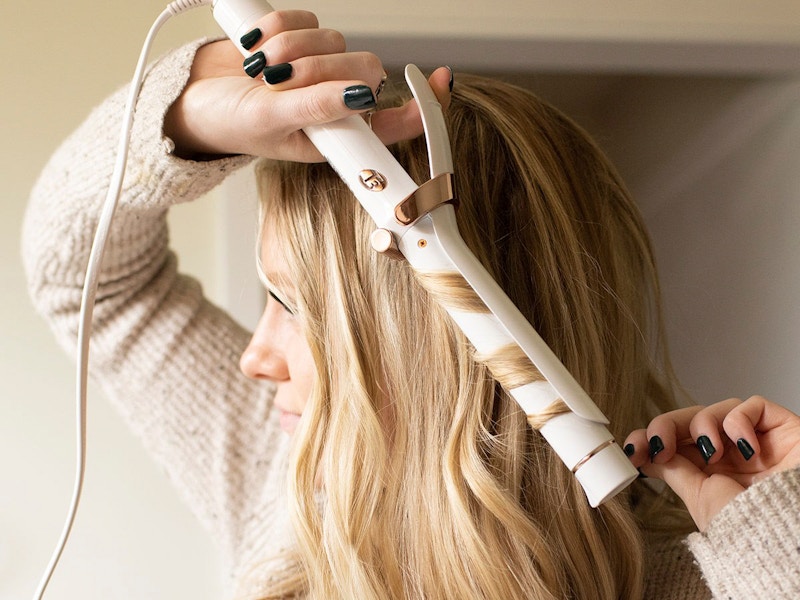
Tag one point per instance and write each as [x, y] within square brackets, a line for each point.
[418, 222]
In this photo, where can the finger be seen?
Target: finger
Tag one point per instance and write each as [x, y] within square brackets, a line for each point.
[292, 45]
[270, 30]
[667, 431]
[364, 67]
[636, 447]
[441, 81]
[404, 123]
[706, 429]
[756, 414]
[680, 474]
[764, 415]
[704, 495]
[321, 103]
[280, 21]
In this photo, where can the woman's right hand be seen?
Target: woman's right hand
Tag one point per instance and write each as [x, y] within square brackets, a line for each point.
[223, 111]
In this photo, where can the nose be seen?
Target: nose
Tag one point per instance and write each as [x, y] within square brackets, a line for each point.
[263, 357]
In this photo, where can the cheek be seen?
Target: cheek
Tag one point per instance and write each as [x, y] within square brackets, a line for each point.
[302, 370]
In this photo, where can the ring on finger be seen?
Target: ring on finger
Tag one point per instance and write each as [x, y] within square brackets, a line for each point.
[381, 85]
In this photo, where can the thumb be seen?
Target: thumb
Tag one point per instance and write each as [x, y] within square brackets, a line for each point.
[404, 122]
[704, 495]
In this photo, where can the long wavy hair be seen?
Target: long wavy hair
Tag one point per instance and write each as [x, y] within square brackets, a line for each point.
[434, 485]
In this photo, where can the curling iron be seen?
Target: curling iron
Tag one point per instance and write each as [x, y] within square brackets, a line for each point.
[418, 222]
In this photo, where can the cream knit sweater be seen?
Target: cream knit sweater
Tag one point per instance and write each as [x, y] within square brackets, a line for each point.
[168, 359]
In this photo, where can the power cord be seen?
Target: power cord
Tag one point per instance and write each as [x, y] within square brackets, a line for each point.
[92, 275]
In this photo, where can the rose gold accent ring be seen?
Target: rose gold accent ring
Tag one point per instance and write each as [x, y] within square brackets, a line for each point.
[591, 454]
[428, 196]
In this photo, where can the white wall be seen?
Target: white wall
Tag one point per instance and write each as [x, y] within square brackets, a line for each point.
[719, 183]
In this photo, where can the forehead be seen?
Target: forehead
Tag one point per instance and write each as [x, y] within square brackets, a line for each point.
[272, 259]
[270, 249]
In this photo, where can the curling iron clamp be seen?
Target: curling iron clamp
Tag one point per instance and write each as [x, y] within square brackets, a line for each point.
[418, 222]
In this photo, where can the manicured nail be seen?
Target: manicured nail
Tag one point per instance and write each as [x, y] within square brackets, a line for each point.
[255, 63]
[745, 448]
[357, 97]
[277, 73]
[656, 446]
[249, 39]
[451, 76]
[629, 449]
[706, 447]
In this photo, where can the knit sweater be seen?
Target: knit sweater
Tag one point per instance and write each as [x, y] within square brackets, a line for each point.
[168, 359]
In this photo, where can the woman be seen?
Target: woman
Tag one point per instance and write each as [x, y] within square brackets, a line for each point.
[410, 471]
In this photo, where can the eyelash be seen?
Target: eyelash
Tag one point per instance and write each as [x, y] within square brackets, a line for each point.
[279, 301]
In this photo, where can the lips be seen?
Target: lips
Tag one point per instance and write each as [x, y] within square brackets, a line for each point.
[289, 421]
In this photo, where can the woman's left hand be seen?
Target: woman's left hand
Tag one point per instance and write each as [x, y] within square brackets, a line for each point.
[223, 111]
[708, 455]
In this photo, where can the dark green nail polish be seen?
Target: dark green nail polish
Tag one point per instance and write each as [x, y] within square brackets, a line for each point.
[451, 77]
[656, 446]
[277, 73]
[706, 447]
[249, 39]
[255, 63]
[745, 448]
[357, 97]
[629, 450]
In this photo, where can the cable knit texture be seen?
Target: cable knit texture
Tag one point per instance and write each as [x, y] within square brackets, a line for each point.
[168, 359]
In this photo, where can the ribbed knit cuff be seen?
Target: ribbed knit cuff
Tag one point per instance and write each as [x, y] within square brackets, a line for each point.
[752, 547]
[154, 167]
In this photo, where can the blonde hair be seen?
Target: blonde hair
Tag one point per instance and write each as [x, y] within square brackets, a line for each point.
[435, 487]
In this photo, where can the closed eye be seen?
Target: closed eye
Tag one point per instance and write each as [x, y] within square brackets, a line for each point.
[279, 301]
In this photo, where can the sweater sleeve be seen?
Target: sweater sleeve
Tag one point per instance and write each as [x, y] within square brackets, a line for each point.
[164, 355]
[752, 547]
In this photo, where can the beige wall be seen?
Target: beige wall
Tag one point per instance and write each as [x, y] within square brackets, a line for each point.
[133, 539]
[628, 20]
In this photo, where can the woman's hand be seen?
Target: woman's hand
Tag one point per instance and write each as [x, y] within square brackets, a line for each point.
[708, 455]
[222, 110]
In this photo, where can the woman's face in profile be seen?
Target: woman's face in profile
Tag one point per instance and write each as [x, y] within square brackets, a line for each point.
[278, 350]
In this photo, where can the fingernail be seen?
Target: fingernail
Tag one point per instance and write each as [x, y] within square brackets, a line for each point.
[255, 63]
[277, 73]
[706, 447]
[629, 449]
[745, 448]
[656, 446]
[249, 39]
[451, 76]
[357, 97]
